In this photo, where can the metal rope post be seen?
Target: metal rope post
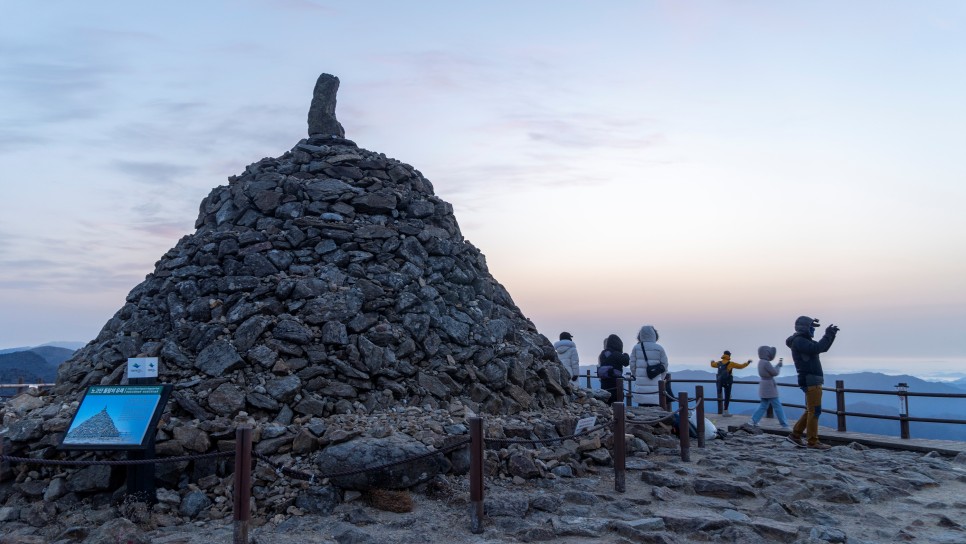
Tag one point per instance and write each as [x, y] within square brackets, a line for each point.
[903, 389]
[684, 427]
[476, 475]
[243, 483]
[699, 413]
[620, 449]
[140, 477]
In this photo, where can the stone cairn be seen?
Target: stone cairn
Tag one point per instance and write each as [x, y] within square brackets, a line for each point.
[325, 293]
[328, 280]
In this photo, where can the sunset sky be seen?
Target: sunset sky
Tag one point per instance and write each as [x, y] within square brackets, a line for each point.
[715, 169]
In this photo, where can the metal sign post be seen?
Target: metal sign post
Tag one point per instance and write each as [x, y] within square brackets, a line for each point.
[140, 478]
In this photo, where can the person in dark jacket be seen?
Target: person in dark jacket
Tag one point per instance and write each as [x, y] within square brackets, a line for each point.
[805, 353]
[611, 363]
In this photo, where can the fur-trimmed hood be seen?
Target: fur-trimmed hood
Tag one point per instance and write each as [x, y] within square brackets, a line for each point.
[647, 334]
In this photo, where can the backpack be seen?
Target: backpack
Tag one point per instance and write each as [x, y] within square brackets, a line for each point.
[723, 375]
[710, 431]
[675, 426]
[607, 371]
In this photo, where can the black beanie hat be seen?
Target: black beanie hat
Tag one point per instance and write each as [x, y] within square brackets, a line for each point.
[727, 352]
[566, 336]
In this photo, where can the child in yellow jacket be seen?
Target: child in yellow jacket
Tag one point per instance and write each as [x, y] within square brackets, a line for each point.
[724, 380]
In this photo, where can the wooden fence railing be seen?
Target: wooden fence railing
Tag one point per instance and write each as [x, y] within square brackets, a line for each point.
[841, 413]
[901, 393]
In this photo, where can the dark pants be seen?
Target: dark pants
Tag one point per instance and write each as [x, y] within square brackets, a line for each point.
[615, 387]
[726, 386]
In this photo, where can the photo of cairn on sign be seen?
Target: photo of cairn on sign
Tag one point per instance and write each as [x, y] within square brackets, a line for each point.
[116, 417]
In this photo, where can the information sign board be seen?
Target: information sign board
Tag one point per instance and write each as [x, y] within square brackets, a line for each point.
[116, 417]
[584, 424]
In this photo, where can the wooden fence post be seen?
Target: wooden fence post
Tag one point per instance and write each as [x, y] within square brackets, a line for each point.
[699, 412]
[662, 395]
[840, 404]
[476, 475]
[588, 379]
[684, 427]
[243, 483]
[620, 449]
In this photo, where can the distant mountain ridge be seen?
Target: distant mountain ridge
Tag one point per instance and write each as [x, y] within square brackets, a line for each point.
[69, 345]
[32, 365]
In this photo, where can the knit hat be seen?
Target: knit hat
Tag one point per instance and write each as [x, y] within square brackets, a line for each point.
[566, 336]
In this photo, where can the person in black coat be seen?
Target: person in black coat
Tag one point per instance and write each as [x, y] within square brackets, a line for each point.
[811, 377]
[611, 366]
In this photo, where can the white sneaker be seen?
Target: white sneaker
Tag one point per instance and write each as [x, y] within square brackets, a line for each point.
[753, 424]
[725, 414]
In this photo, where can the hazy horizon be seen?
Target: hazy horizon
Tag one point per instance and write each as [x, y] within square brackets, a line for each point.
[925, 368]
[715, 170]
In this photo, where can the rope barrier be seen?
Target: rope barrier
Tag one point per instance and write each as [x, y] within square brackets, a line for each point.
[542, 440]
[290, 472]
[312, 477]
[650, 421]
[120, 462]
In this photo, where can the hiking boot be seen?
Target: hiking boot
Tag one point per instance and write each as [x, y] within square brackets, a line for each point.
[797, 440]
[819, 446]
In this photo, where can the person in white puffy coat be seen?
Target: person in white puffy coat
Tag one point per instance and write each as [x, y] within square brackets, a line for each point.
[567, 353]
[647, 352]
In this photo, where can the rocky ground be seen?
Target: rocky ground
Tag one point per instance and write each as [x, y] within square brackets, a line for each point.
[749, 487]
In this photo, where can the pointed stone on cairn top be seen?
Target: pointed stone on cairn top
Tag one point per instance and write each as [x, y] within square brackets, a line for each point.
[322, 121]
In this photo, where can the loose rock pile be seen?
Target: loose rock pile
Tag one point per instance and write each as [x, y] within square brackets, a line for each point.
[328, 282]
[522, 447]
[748, 487]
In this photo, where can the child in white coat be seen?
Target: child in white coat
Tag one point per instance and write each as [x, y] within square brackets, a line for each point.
[767, 388]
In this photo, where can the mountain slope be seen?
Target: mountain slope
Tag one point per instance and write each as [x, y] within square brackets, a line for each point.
[53, 355]
[25, 365]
